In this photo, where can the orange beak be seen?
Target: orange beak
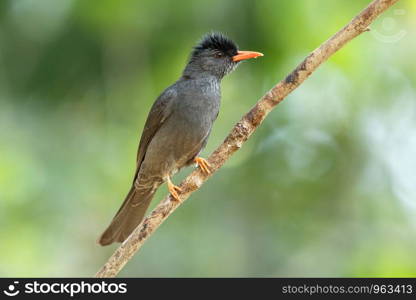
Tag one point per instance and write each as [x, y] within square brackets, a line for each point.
[243, 55]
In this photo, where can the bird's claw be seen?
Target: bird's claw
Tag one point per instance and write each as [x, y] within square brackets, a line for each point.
[203, 164]
[174, 190]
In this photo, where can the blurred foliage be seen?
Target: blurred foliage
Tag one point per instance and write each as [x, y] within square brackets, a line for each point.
[326, 187]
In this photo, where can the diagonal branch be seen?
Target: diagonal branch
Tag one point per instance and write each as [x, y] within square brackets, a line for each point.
[241, 132]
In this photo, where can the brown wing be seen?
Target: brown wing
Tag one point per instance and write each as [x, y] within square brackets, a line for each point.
[158, 114]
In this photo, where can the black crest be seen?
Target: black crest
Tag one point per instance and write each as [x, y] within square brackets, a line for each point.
[216, 41]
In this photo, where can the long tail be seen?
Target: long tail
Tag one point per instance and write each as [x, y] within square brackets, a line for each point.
[128, 216]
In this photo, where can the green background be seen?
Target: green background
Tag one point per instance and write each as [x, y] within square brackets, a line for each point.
[325, 187]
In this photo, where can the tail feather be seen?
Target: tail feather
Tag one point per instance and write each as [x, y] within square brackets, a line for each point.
[129, 215]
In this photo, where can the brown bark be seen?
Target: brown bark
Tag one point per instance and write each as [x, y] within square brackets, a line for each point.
[241, 132]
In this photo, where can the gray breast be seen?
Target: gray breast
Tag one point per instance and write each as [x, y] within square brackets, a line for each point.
[199, 101]
[185, 131]
[194, 113]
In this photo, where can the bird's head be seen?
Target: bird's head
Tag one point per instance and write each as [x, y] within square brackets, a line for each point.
[216, 55]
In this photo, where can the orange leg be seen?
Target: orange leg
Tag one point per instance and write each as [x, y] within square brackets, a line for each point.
[203, 164]
[174, 190]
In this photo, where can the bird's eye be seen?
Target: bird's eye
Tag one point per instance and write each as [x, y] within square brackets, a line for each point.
[218, 55]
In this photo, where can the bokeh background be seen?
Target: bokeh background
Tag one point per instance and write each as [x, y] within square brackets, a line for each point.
[325, 187]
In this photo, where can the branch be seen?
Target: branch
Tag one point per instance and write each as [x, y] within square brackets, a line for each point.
[241, 132]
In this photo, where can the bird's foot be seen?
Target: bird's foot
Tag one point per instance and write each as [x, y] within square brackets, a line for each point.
[203, 164]
[174, 190]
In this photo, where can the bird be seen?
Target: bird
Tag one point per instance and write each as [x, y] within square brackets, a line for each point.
[177, 129]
